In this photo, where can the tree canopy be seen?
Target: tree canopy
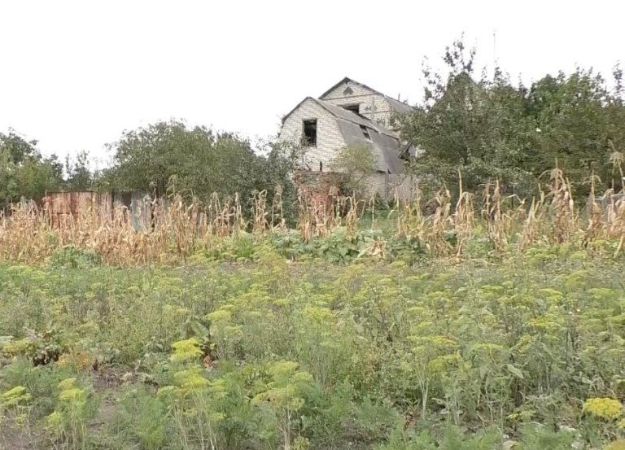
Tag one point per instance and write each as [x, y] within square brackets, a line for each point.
[194, 162]
[488, 128]
[24, 172]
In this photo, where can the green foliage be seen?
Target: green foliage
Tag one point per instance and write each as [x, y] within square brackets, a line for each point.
[24, 172]
[240, 248]
[14, 397]
[68, 422]
[143, 418]
[337, 247]
[356, 163]
[74, 258]
[489, 129]
[318, 352]
[79, 176]
[168, 156]
[537, 436]
[40, 348]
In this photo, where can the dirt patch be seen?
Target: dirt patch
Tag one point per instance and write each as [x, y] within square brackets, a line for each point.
[14, 436]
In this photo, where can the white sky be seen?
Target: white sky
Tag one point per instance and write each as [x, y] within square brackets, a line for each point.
[74, 74]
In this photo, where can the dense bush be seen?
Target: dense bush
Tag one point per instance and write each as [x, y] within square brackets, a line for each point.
[24, 172]
[195, 162]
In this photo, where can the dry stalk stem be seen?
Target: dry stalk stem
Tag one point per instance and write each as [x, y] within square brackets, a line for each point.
[169, 230]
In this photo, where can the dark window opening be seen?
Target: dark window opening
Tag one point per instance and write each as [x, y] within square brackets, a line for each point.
[365, 132]
[353, 108]
[320, 166]
[309, 138]
[348, 91]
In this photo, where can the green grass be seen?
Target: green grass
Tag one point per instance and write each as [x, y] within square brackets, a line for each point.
[246, 349]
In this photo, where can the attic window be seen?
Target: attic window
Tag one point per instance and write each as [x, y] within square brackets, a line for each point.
[353, 108]
[348, 91]
[309, 137]
[365, 132]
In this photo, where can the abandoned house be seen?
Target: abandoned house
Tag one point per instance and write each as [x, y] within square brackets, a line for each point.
[351, 114]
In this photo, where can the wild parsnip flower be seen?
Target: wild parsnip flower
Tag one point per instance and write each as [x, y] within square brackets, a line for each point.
[66, 384]
[186, 350]
[191, 379]
[603, 408]
[13, 397]
[73, 395]
[221, 315]
[616, 445]
[54, 421]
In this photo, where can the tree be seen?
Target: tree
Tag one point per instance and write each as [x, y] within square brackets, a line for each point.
[487, 128]
[475, 126]
[195, 162]
[24, 173]
[579, 123]
[79, 177]
[356, 163]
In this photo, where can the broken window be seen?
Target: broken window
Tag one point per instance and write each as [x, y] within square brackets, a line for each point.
[365, 132]
[309, 137]
[353, 108]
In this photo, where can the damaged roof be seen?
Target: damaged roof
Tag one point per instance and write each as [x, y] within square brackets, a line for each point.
[398, 106]
[386, 148]
[341, 113]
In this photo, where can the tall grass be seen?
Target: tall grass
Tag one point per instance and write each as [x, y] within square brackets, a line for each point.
[177, 230]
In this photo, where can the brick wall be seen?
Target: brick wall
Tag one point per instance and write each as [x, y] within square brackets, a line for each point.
[329, 138]
[372, 105]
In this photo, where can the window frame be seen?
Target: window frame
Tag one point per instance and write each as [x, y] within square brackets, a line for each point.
[351, 106]
[366, 133]
[305, 141]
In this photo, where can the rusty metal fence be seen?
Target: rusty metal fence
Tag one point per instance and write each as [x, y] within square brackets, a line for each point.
[63, 207]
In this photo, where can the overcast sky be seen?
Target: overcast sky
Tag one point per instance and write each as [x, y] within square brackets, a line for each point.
[74, 74]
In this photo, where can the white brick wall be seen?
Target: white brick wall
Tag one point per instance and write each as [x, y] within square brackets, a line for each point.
[372, 105]
[329, 138]
[337, 92]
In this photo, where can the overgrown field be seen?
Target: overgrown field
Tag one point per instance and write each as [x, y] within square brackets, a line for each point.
[486, 322]
[264, 352]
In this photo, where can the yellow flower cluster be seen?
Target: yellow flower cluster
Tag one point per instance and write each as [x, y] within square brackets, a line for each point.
[13, 397]
[603, 408]
[186, 350]
[616, 445]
